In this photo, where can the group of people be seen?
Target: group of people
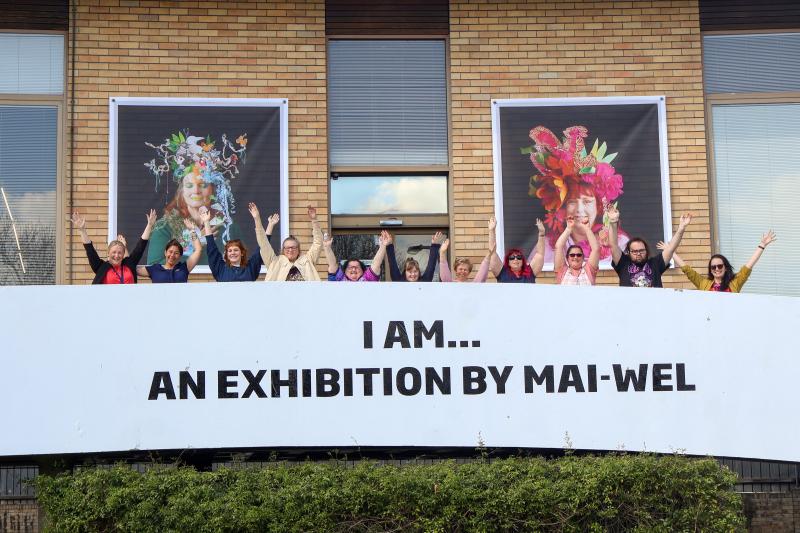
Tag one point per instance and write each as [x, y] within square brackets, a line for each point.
[635, 265]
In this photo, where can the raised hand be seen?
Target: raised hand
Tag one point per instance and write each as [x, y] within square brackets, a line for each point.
[686, 218]
[570, 223]
[612, 213]
[327, 240]
[492, 223]
[385, 239]
[768, 238]
[205, 215]
[121, 238]
[273, 220]
[445, 246]
[190, 225]
[253, 208]
[540, 226]
[437, 238]
[77, 220]
[312, 213]
[661, 245]
[151, 218]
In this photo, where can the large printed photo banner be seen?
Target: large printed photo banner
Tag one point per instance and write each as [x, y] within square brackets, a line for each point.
[715, 374]
[178, 155]
[556, 158]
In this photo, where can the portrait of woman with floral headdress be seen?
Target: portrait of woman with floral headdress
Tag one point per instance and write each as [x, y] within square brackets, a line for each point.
[201, 170]
[574, 183]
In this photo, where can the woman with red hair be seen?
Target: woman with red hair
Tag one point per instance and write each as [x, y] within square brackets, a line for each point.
[516, 268]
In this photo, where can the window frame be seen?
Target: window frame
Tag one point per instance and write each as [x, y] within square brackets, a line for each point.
[348, 223]
[716, 99]
[60, 103]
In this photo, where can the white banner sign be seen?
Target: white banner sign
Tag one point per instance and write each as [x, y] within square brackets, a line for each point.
[114, 368]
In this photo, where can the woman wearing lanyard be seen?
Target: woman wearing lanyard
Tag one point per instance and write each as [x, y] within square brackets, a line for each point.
[117, 269]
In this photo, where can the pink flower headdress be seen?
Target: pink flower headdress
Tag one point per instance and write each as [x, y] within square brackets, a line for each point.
[565, 168]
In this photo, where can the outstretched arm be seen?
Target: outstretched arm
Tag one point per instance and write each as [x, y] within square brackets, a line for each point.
[678, 260]
[444, 268]
[558, 254]
[536, 260]
[383, 241]
[327, 245]
[80, 222]
[433, 256]
[766, 239]
[197, 244]
[673, 243]
[394, 270]
[151, 221]
[594, 255]
[495, 263]
[316, 235]
[612, 213]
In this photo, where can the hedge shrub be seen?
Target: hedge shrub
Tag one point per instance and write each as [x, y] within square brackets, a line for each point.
[572, 493]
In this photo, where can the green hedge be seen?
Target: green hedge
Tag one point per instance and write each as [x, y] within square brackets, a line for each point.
[612, 492]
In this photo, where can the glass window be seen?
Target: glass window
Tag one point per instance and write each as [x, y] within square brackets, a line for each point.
[387, 102]
[391, 195]
[751, 63]
[756, 172]
[28, 204]
[31, 64]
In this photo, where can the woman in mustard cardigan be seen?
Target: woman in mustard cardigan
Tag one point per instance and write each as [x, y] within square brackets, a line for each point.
[721, 277]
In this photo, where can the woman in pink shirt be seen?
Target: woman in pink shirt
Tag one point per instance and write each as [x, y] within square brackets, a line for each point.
[570, 267]
[463, 266]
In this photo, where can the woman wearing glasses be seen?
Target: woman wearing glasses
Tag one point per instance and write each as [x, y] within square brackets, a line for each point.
[721, 277]
[516, 268]
[576, 271]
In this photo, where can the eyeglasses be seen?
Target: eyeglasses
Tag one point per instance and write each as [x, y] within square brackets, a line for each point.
[291, 247]
[641, 251]
[718, 267]
[576, 255]
[516, 257]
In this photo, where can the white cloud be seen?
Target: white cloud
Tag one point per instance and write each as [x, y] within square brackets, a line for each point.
[410, 195]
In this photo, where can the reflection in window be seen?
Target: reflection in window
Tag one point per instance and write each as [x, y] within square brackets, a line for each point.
[362, 246]
[28, 167]
[370, 195]
[31, 64]
[415, 246]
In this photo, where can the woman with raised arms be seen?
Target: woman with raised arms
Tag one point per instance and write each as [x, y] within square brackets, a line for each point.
[235, 265]
[117, 269]
[515, 268]
[576, 271]
[354, 269]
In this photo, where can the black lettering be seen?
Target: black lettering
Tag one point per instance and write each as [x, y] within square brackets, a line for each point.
[185, 382]
[500, 378]
[592, 378]
[305, 379]
[396, 333]
[442, 382]
[659, 377]
[348, 381]
[416, 381]
[680, 376]
[387, 381]
[571, 377]
[437, 330]
[546, 376]
[327, 382]
[223, 384]
[254, 383]
[623, 382]
[474, 379]
[367, 334]
[161, 384]
[277, 383]
[368, 373]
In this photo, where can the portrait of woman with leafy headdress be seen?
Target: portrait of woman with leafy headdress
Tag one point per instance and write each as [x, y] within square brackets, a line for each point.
[201, 169]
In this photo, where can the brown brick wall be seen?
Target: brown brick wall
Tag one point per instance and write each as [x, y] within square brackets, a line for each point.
[772, 512]
[19, 516]
[199, 49]
[539, 49]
